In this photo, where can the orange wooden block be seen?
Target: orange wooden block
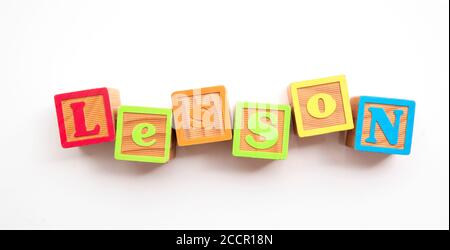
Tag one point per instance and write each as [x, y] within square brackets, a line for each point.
[201, 116]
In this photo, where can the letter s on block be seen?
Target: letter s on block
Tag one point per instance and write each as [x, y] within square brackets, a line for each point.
[269, 132]
[313, 105]
[139, 134]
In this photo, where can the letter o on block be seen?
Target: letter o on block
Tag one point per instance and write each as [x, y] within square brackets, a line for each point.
[313, 105]
[321, 106]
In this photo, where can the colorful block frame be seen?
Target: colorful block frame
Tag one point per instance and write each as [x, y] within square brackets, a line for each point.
[255, 154]
[411, 105]
[348, 125]
[81, 94]
[142, 110]
[228, 134]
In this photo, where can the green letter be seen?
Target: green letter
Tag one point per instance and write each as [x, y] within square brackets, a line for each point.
[270, 133]
[139, 135]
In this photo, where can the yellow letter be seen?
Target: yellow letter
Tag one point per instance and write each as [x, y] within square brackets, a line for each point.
[313, 105]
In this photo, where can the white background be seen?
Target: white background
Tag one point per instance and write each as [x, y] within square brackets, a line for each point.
[148, 49]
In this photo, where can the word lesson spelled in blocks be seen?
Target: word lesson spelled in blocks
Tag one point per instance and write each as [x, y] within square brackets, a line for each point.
[261, 131]
[201, 116]
[87, 117]
[383, 125]
[321, 106]
[144, 135]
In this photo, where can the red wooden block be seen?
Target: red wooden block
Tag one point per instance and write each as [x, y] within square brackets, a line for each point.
[87, 117]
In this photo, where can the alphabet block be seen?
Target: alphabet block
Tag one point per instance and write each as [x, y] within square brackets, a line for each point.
[144, 135]
[87, 117]
[383, 125]
[321, 106]
[261, 131]
[201, 116]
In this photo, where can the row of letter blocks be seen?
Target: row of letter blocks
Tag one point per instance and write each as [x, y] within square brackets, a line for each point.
[200, 116]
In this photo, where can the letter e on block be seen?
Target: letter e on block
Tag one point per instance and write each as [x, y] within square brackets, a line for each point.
[261, 131]
[383, 125]
[87, 117]
[144, 135]
[321, 106]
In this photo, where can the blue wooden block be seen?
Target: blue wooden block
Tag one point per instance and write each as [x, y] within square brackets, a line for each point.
[383, 125]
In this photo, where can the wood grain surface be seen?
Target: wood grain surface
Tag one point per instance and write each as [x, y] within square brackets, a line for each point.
[130, 121]
[94, 111]
[310, 122]
[379, 135]
[278, 147]
[201, 116]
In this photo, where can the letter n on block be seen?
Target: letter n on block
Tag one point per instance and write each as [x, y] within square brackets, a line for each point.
[144, 135]
[383, 125]
[262, 131]
[201, 116]
[87, 117]
[321, 106]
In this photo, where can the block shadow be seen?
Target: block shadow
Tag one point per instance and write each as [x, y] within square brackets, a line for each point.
[211, 154]
[222, 151]
[333, 148]
[103, 156]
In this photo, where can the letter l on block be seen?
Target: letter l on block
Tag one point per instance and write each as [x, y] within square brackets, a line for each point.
[87, 117]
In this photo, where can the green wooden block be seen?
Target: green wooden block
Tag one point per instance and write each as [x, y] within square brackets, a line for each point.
[261, 131]
[144, 135]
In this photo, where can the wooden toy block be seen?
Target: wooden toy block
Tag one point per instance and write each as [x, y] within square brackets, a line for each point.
[321, 106]
[261, 131]
[383, 125]
[201, 116]
[87, 117]
[144, 135]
